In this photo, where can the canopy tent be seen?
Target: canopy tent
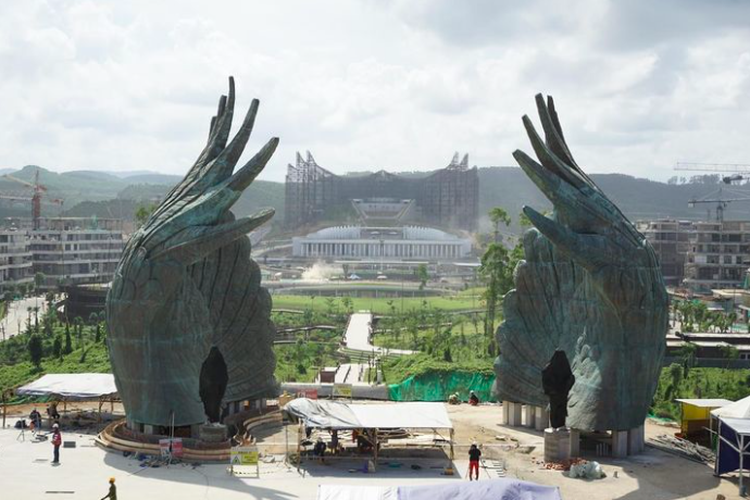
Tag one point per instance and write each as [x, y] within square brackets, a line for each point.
[734, 440]
[507, 489]
[71, 386]
[337, 415]
[738, 409]
[370, 419]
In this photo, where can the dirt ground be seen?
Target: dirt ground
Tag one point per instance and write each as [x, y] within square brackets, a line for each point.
[653, 475]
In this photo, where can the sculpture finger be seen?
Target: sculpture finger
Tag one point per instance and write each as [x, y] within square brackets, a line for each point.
[589, 251]
[247, 174]
[223, 165]
[196, 242]
[221, 124]
[550, 160]
[214, 119]
[553, 131]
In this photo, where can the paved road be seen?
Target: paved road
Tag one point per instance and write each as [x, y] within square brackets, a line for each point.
[359, 333]
[15, 321]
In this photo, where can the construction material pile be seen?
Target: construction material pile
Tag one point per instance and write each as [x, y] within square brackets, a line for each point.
[683, 447]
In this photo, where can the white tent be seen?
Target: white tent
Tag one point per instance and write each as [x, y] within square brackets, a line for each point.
[738, 409]
[337, 415]
[375, 417]
[71, 386]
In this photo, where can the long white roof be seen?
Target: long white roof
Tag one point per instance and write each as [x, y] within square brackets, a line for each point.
[71, 385]
[338, 415]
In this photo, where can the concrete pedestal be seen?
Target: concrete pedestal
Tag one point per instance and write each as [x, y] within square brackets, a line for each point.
[505, 412]
[619, 444]
[514, 414]
[541, 419]
[575, 443]
[530, 417]
[213, 433]
[636, 441]
[556, 444]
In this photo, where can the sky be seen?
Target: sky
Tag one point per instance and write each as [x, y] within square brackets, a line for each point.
[374, 84]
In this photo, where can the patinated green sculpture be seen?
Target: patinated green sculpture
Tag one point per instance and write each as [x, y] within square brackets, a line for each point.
[591, 286]
[186, 288]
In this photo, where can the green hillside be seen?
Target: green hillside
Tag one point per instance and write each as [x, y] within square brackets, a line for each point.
[86, 193]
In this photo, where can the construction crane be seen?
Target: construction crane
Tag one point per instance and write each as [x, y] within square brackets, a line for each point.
[35, 198]
[739, 172]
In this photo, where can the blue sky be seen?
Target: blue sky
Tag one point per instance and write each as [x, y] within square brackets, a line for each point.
[395, 84]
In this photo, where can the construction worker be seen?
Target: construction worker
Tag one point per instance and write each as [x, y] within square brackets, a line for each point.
[473, 398]
[112, 495]
[56, 442]
[474, 454]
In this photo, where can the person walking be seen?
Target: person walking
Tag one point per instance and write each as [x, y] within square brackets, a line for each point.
[112, 495]
[56, 442]
[474, 454]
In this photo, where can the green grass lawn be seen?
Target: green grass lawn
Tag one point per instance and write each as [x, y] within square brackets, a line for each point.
[377, 306]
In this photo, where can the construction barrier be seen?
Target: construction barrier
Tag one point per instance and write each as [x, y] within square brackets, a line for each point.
[438, 386]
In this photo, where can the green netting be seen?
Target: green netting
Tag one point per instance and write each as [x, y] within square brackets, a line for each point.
[439, 386]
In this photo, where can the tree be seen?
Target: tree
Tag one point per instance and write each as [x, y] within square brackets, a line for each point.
[675, 376]
[422, 275]
[39, 279]
[68, 342]
[495, 271]
[687, 353]
[497, 216]
[447, 356]
[142, 213]
[57, 347]
[36, 350]
[348, 304]
[730, 353]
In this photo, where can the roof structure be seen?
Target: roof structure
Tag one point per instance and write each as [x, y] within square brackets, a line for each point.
[71, 385]
[338, 415]
[738, 409]
[705, 403]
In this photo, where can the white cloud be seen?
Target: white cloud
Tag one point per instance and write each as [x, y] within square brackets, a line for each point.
[373, 84]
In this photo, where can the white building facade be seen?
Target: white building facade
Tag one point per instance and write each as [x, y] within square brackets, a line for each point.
[365, 243]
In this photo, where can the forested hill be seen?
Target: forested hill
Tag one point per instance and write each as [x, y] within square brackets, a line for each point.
[101, 194]
[508, 187]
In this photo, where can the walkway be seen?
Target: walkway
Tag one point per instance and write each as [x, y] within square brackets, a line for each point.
[15, 321]
[358, 337]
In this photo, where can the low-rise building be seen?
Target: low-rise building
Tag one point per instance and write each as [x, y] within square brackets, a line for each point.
[718, 256]
[73, 250]
[377, 243]
[15, 259]
[670, 239]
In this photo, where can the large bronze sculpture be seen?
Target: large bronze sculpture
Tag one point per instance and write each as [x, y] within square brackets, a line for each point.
[591, 286]
[189, 324]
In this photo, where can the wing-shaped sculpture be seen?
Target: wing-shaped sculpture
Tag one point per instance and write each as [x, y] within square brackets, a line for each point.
[186, 287]
[591, 286]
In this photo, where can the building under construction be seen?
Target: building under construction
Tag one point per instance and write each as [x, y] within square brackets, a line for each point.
[448, 197]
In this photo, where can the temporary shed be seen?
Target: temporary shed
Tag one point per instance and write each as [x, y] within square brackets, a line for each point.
[696, 414]
[732, 453]
[371, 419]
